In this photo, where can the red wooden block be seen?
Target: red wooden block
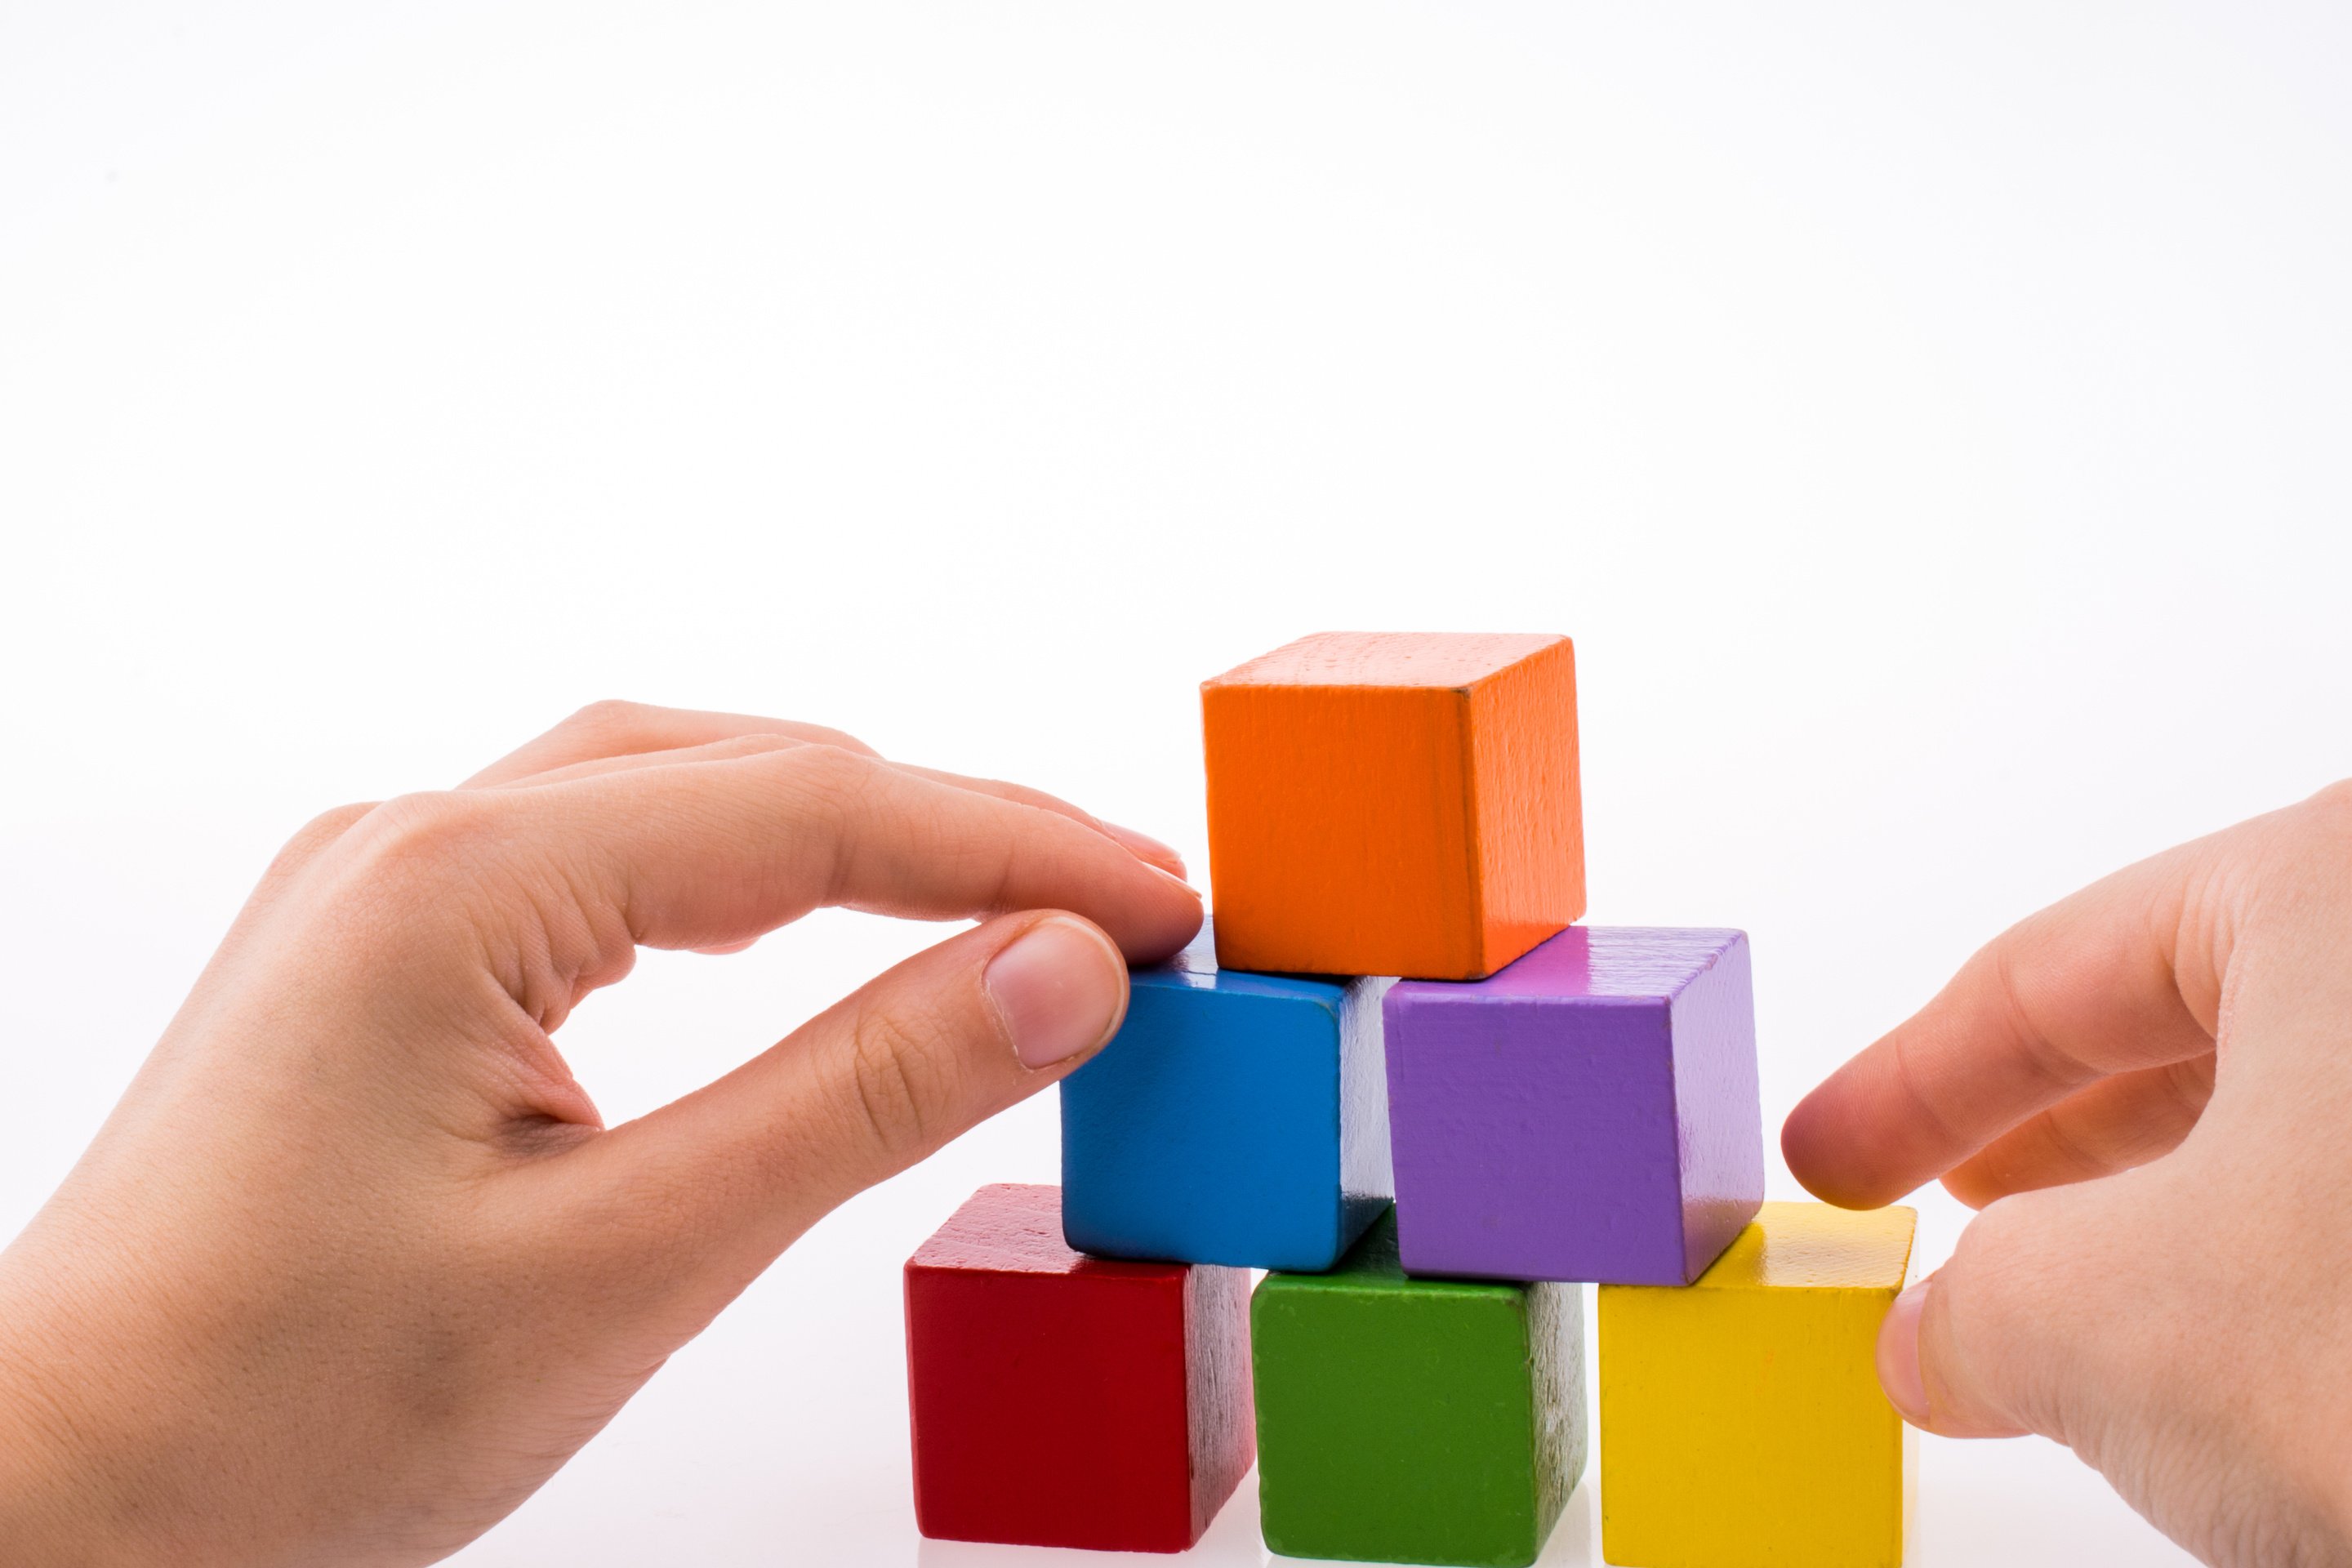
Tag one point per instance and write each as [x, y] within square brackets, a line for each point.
[1060, 1400]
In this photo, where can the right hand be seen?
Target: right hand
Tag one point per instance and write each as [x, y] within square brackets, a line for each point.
[2148, 1090]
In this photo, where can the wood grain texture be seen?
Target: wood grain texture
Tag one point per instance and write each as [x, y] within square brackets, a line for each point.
[1235, 1119]
[1591, 1112]
[1405, 1420]
[1741, 1421]
[1394, 803]
[1058, 1400]
[1220, 1406]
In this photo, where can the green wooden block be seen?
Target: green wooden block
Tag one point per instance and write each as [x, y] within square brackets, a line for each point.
[1415, 1420]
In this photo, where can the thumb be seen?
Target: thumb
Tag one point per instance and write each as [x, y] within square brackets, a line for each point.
[707, 1191]
[2011, 1336]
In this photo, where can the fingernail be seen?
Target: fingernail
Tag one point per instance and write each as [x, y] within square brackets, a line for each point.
[1058, 988]
[1175, 881]
[1898, 1354]
[1144, 846]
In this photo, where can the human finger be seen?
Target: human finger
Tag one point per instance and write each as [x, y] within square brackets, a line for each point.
[2016, 1333]
[2119, 977]
[616, 729]
[2114, 1125]
[720, 750]
[1138, 843]
[718, 852]
[560, 884]
[739, 1169]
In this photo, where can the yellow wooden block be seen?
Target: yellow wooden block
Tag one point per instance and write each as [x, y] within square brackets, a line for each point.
[1741, 1421]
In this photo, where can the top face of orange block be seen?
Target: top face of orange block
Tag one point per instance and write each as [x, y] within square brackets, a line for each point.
[1394, 803]
[1452, 662]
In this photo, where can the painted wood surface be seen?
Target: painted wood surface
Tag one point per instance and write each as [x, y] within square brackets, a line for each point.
[1589, 1112]
[1394, 803]
[1405, 1420]
[1741, 1421]
[1235, 1119]
[1066, 1400]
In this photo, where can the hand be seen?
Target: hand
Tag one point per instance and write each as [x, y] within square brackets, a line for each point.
[2147, 1088]
[354, 1266]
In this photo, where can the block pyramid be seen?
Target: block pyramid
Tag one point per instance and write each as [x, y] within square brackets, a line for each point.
[1396, 1074]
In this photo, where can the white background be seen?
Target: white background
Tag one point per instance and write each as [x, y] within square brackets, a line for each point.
[1932, 430]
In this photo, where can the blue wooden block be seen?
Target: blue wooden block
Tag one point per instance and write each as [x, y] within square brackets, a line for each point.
[1237, 1119]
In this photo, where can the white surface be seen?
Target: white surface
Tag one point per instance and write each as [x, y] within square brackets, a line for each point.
[1930, 429]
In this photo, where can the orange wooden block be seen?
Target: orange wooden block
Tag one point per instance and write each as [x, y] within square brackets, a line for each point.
[1393, 802]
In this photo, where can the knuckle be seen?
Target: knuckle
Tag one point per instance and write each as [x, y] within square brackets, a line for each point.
[435, 828]
[1990, 1240]
[829, 770]
[839, 740]
[830, 786]
[322, 830]
[424, 812]
[2017, 1256]
[903, 1079]
[340, 820]
[2330, 810]
[2293, 867]
[606, 716]
[756, 745]
[1993, 1273]
[413, 873]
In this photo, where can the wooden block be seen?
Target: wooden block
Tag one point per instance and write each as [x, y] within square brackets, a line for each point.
[1237, 1119]
[1394, 803]
[1591, 1112]
[1741, 1420]
[1415, 1420]
[1063, 1401]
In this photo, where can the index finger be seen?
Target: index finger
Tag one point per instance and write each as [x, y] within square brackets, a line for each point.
[2114, 979]
[706, 854]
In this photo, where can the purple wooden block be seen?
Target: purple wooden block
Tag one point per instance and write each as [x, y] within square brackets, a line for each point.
[1588, 1112]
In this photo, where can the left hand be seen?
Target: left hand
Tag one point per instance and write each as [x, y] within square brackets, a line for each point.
[355, 1266]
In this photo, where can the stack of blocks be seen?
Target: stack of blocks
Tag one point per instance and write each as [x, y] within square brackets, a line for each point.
[1429, 1167]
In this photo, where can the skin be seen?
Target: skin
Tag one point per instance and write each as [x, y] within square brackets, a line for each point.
[354, 1266]
[2147, 1088]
